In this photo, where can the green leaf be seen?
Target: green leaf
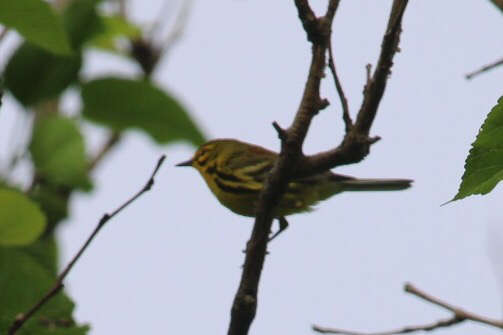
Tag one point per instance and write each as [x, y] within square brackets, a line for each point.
[37, 22]
[21, 221]
[82, 21]
[23, 281]
[53, 201]
[33, 74]
[58, 152]
[484, 164]
[116, 27]
[45, 252]
[124, 103]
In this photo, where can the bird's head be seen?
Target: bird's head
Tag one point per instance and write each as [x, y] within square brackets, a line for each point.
[209, 152]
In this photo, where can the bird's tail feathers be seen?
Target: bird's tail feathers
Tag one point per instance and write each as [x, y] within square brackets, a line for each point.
[358, 184]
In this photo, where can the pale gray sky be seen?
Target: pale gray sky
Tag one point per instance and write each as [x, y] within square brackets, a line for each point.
[170, 264]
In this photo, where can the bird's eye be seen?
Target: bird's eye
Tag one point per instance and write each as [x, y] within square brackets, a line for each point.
[203, 156]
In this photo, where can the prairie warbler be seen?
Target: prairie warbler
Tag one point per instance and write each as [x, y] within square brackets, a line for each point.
[236, 171]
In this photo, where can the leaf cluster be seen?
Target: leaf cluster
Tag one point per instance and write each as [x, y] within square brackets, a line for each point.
[43, 67]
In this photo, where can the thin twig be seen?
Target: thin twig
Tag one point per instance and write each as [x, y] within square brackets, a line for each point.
[344, 102]
[377, 84]
[147, 51]
[58, 285]
[407, 329]
[459, 316]
[109, 144]
[282, 135]
[483, 69]
[178, 27]
[162, 17]
[458, 312]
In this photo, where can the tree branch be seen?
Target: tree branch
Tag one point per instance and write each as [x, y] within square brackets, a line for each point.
[485, 68]
[109, 144]
[356, 144]
[291, 161]
[58, 285]
[147, 51]
[458, 312]
[459, 316]
[344, 102]
[407, 329]
[375, 89]
[245, 302]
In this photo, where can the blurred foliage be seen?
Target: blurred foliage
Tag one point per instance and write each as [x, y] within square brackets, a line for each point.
[24, 280]
[37, 22]
[116, 28]
[115, 103]
[82, 22]
[58, 152]
[33, 74]
[498, 3]
[41, 69]
[484, 164]
[21, 221]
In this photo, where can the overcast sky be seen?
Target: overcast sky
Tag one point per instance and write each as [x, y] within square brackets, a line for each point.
[170, 264]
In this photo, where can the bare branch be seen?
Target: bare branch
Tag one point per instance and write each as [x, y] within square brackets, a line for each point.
[58, 285]
[147, 51]
[459, 316]
[356, 144]
[407, 329]
[109, 144]
[178, 27]
[458, 312]
[389, 48]
[485, 68]
[306, 16]
[344, 102]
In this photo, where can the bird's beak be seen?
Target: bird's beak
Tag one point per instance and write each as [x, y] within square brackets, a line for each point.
[186, 163]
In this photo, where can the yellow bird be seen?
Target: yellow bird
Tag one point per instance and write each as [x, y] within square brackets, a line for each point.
[236, 171]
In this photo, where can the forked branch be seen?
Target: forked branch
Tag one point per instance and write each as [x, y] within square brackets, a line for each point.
[459, 315]
[356, 143]
[292, 162]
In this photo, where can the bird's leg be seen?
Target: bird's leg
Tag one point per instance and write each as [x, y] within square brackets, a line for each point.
[283, 224]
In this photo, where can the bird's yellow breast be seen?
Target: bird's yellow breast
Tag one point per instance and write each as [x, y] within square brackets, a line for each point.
[232, 194]
[241, 196]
